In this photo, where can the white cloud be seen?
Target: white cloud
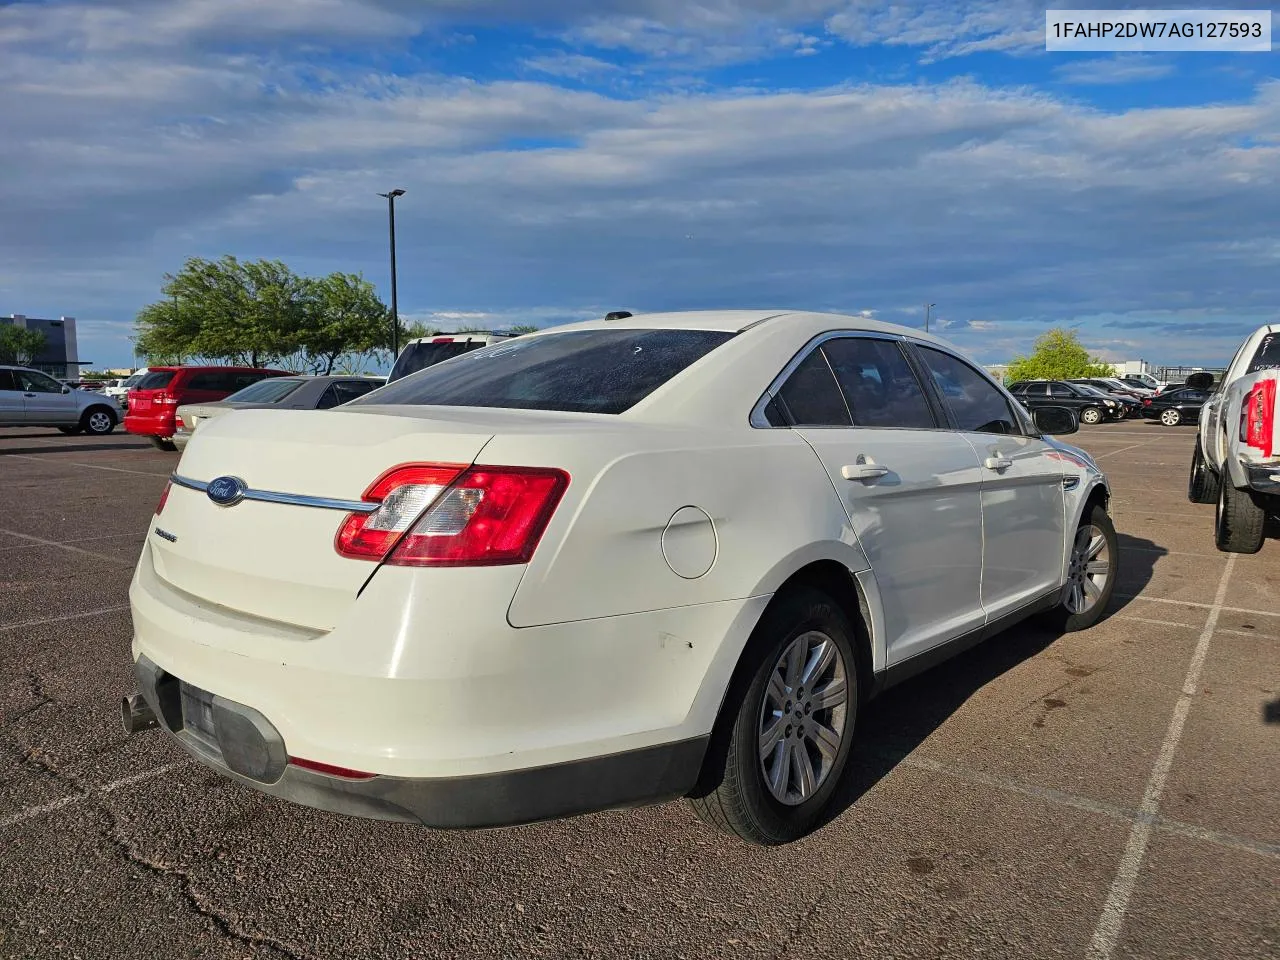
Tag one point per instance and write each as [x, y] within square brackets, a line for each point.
[1123, 68]
[574, 65]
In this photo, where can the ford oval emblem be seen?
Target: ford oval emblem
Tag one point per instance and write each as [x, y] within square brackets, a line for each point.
[226, 491]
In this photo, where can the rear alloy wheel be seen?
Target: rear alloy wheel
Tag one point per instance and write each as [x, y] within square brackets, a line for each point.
[160, 443]
[97, 422]
[788, 721]
[1091, 573]
[1202, 486]
[1239, 523]
[1170, 417]
[1091, 415]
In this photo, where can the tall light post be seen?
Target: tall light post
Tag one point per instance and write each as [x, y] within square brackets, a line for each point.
[395, 312]
[927, 308]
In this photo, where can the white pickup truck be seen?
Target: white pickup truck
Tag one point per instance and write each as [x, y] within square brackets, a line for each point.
[1236, 463]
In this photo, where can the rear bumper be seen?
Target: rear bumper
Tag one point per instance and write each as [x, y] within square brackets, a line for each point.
[1263, 478]
[250, 749]
[150, 425]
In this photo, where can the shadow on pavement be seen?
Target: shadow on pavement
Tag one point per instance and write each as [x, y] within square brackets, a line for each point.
[70, 448]
[897, 722]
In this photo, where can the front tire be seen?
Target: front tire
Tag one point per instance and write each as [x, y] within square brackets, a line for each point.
[788, 720]
[98, 421]
[1240, 523]
[1091, 573]
[1091, 415]
[1170, 417]
[1203, 484]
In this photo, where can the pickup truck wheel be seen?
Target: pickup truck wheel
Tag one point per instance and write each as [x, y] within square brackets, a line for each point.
[1240, 522]
[1091, 415]
[1202, 487]
[1170, 417]
[1091, 573]
[98, 421]
[160, 443]
[788, 719]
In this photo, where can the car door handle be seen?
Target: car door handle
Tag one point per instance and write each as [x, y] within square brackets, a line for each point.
[864, 471]
[29, 396]
[997, 463]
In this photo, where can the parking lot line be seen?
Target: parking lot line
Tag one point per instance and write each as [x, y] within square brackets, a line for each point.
[109, 536]
[66, 546]
[1107, 932]
[78, 463]
[1132, 446]
[30, 813]
[41, 621]
[1200, 606]
[1157, 623]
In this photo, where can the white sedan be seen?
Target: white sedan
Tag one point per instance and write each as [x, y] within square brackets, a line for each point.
[603, 565]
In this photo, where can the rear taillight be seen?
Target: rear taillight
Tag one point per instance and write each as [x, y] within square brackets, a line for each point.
[433, 515]
[1257, 417]
[1146, 402]
[164, 497]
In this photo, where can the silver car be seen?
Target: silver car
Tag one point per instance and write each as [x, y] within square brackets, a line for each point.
[279, 393]
[29, 398]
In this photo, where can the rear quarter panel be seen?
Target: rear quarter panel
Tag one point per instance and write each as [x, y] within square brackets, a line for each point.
[771, 506]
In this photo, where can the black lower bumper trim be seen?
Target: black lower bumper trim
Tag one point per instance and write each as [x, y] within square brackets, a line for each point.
[618, 781]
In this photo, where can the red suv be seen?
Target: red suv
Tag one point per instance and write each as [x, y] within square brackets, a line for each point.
[153, 403]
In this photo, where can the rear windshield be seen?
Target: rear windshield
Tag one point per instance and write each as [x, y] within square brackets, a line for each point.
[586, 371]
[419, 356]
[1268, 354]
[155, 381]
[271, 390]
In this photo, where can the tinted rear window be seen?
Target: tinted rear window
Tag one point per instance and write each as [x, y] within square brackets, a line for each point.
[1267, 356]
[586, 371]
[266, 391]
[419, 356]
[155, 381]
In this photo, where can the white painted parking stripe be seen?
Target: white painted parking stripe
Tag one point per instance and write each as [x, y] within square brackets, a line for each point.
[1157, 623]
[31, 813]
[77, 463]
[111, 536]
[1111, 453]
[41, 621]
[1107, 933]
[1200, 606]
[66, 546]
[1248, 633]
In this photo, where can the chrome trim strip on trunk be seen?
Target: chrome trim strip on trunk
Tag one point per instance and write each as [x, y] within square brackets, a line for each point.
[289, 499]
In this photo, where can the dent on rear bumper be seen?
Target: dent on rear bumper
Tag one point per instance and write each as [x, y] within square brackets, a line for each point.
[408, 687]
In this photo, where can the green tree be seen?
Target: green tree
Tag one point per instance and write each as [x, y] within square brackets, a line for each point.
[343, 315]
[249, 313]
[20, 345]
[1058, 355]
[416, 330]
[522, 328]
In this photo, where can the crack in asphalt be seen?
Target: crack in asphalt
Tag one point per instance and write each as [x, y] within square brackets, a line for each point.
[198, 903]
[38, 693]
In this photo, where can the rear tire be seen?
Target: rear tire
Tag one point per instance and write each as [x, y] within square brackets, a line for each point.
[98, 421]
[1091, 415]
[771, 722]
[1170, 417]
[1091, 574]
[1240, 523]
[160, 443]
[1202, 486]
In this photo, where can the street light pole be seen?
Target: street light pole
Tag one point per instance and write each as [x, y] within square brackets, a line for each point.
[395, 311]
[927, 308]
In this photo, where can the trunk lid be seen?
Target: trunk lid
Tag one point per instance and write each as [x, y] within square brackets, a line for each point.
[277, 561]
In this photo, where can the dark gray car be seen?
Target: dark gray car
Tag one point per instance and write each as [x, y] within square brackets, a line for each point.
[278, 393]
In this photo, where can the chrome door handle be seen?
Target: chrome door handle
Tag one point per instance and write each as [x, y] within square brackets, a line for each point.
[997, 463]
[864, 471]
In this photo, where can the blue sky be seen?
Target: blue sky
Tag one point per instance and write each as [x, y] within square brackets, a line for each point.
[567, 157]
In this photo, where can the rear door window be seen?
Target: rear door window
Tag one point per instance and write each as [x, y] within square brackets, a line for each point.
[811, 396]
[266, 391]
[155, 381]
[209, 380]
[975, 404]
[1267, 356]
[7, 380]
[1037, 390]
[586, 371]
[878, 383]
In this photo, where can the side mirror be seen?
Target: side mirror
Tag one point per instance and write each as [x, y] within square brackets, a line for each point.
[65, 388]
[1200, 381]
[1055, 421]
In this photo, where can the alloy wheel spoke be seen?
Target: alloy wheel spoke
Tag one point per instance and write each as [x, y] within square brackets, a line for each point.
[780, 771]
[795, 662]
[833, 694]
[806, 777]
[1091, 589]
[1095, 546]
[824, 654]
[769, 739]
[777, 689]
[1097, 568]
[826, 740]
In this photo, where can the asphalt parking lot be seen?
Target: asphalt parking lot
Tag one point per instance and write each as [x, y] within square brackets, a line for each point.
[1112, 793]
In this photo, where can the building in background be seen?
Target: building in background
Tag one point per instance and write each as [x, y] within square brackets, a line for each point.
[61, 355]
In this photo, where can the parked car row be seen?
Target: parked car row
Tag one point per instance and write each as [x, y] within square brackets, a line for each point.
[1097, 399]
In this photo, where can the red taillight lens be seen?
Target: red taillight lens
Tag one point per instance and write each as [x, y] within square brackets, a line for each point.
[1257, 418]
[329, 769]
[1146, 402]
[401, 493]
[489, 516]
[443, 515]
[164, 497]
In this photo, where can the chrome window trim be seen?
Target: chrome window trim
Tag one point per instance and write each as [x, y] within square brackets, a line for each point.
[289, 499]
